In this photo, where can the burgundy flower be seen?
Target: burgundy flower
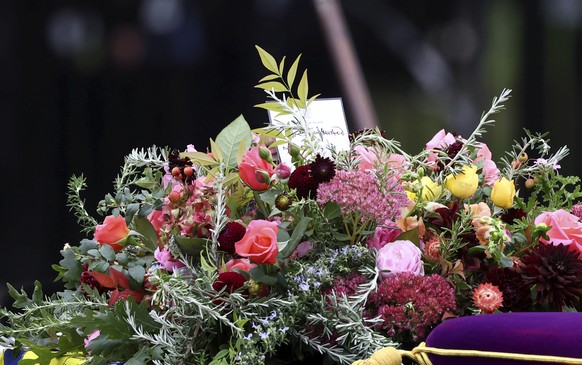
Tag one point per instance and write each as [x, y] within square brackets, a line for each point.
[512, 215]
[230, 281]
[556, 273]
[322, 169]
[230, 234]
[516, 294]
[304, 183]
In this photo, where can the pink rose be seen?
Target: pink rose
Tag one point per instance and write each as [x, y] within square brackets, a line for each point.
[384, 235]
[399, 256]
[239, 264]
[259, 243]
[566, 228]
[157, 219]
[167, 260]
[112, 232]
[254, 170]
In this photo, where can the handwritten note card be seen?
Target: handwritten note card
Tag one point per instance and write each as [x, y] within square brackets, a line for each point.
[326, 116]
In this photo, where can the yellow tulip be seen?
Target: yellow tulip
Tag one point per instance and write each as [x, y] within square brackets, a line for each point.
[464, 184]
[503, 193]
[430, 189]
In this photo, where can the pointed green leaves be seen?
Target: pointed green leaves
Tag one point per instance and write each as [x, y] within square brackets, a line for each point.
[268, 60]
[292, 72]
[230, 139]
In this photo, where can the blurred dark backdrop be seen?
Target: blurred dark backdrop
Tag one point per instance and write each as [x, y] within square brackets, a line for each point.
[82, 83]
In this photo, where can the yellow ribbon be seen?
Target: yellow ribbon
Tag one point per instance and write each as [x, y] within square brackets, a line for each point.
[393, 356]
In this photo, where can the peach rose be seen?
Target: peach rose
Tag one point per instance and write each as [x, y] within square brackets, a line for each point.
[112, 232]
[566, 228]
[259, 243]
[255, 171]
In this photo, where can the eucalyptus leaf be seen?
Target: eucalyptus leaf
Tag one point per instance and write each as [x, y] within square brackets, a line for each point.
[107, 252]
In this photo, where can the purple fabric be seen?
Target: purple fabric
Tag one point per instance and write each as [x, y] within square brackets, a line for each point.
[540, 333]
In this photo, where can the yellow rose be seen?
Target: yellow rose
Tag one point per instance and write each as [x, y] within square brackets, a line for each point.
[464, 184]
[430, 189]
[503, 193]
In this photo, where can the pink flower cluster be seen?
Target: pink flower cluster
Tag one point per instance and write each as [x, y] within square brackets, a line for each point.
[410, 305]
[359, 191]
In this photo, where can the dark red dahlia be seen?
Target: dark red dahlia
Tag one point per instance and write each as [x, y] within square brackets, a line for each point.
[230, 281]
[304, 183]
[556, 274]
[230, 234]
[322, 169]
[516, 294]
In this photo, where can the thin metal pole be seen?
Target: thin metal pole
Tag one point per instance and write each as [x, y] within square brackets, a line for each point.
[347, 66]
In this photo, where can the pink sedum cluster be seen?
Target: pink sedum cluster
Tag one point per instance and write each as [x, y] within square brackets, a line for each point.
[359, 191]
[410, 305]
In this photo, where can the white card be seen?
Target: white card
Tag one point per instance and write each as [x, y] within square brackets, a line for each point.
[327, 115]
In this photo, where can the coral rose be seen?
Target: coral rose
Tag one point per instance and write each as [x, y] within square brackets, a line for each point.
[259, 243]
[239, 264]
[112, 232]
[399, 256]
[566, 228]
[255, 171]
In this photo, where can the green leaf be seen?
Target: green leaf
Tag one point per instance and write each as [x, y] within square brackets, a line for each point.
[216, 151]
[331, 211]
[147, 230]
[137, 273]
[267, 60]
[272, 85]
[411, 235]
[258, 273]
[272, 106]
[229, 139]
[200, 158]
[191, 245]
[269, 78]
[130, 211]
[303, 88]
[73, 266]
[282, 65]
[292, 72]
[296, 237]
[269, 132]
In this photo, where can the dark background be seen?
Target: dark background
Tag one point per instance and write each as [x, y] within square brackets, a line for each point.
[83, 83]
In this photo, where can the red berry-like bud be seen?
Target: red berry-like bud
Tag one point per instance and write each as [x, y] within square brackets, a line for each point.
[530, 183]
[174, 197]
[176, 171]
[188, 171]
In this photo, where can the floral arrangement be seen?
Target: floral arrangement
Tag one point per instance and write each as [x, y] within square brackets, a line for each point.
[231, 257]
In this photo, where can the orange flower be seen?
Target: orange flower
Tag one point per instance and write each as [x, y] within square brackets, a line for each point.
[488, 297]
